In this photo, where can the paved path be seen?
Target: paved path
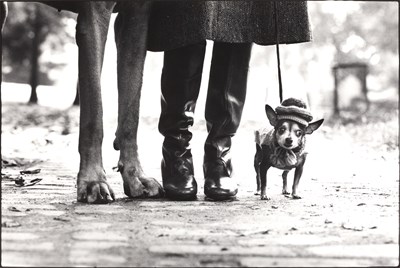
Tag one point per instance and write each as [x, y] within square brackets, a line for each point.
[348, 215]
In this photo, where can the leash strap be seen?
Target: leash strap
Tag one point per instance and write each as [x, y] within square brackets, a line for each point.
[277, 51]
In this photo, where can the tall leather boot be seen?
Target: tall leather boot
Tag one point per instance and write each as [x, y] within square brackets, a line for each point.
[180, 86]
[224, 106]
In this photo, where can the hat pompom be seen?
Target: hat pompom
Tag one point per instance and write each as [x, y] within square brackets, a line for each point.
[294, 109]
[294, 102]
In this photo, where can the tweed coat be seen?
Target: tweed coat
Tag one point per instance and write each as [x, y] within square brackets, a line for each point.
[178, 23]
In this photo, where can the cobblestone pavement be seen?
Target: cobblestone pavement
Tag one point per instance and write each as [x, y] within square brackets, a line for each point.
[348, 216]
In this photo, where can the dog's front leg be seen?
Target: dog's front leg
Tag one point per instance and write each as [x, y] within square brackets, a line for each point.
[263, 177]
[297, 175]
[91, 34]
[284, 184]
[131, 35]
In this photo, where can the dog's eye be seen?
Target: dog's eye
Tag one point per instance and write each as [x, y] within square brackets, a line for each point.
[299, 133]
[281, 130]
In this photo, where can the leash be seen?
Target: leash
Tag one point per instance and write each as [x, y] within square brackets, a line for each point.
[277, 51]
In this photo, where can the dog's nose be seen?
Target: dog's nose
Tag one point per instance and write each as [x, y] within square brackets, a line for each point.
[288, 141]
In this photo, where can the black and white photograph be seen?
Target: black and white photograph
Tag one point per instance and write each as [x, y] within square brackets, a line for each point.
[200, 133]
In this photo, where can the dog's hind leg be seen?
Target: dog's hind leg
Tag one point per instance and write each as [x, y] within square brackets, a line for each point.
[91, 35]
[263, 178]
[131, 35]
[284, 180]
[257, 162]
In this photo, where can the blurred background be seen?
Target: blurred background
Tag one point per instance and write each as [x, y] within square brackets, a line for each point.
[348, 74]
[359, 38]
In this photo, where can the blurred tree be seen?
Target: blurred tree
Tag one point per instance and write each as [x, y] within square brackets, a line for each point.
[360, 32]
[28, 26]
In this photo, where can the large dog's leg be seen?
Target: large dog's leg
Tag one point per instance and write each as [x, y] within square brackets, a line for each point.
[91, 35]
[131, 36]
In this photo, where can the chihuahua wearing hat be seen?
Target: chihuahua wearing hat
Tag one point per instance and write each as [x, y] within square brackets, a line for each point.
[283, 147]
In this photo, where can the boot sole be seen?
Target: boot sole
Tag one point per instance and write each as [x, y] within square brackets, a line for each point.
[220, 197]
[180, 197]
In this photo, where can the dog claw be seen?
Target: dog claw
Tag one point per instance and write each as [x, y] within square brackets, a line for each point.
[136, 183]
[134, 189]
[95, 192]
[143, 187]
[152, 187]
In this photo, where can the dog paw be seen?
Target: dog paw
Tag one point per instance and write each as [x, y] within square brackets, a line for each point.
[285, 192]
[257, 193]
[137, 185]
[134, 188]
[295, 196]
[152, 187]
[264, 197]
[94, 192]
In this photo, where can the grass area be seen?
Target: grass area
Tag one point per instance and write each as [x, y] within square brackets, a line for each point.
[377, 128]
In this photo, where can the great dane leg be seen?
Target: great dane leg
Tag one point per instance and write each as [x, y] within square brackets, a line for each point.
[91, 35]
[131, 36]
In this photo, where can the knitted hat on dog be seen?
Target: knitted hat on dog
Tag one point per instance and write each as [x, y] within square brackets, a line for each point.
[294, 109]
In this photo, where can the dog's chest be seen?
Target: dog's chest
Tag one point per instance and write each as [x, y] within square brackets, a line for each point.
[277, 156]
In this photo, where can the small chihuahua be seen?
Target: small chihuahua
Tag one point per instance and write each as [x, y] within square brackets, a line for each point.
[283, 147]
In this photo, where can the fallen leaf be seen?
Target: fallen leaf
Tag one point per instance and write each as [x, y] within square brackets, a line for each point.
[61, 219]
[348, 226]
[14, 209]
[20, 182]
[8, 163]
[34, 171]
[18, 162]
[10, 224]
[33, 182]
[7, 177]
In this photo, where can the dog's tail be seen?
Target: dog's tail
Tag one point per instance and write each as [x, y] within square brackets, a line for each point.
[257, 136]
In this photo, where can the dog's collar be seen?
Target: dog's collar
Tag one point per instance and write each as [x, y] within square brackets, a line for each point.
[296, 150]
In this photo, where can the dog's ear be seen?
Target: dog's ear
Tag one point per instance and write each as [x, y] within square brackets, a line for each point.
[313, 126]
[271, 115]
